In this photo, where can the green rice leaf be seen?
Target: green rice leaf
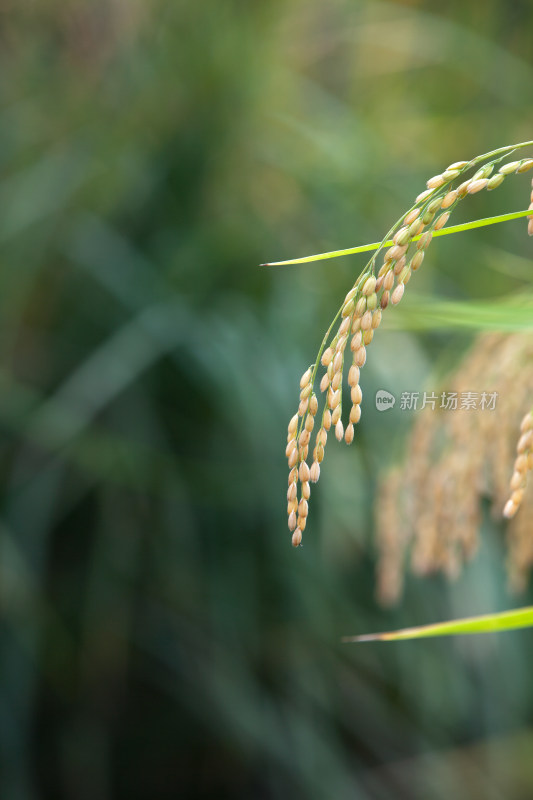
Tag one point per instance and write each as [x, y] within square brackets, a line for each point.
[504, 621]
[365, 248]
[513, 312]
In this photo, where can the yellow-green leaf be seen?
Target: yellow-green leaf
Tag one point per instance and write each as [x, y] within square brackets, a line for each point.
[365, 248]
[504, 621]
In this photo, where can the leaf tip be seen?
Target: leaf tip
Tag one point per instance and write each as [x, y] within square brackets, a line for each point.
[366, 637]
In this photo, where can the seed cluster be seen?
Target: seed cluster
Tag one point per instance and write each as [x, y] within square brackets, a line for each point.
[522, 465]
[428, 510]
[360, 316]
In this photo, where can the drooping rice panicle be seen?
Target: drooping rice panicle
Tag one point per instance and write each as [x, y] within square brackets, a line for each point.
[375, 290]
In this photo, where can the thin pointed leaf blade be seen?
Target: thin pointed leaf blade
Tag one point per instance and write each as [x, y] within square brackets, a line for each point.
[503, 621]
[365, 248]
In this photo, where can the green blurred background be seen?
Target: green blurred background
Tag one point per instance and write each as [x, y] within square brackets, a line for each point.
[159, 636]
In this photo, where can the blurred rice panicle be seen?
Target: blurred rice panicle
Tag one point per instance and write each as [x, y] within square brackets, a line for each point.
[429, 508]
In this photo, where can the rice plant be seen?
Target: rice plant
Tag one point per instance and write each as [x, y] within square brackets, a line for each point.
[440, 543]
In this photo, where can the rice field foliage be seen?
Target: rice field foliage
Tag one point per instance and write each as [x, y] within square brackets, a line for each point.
[160, 638]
